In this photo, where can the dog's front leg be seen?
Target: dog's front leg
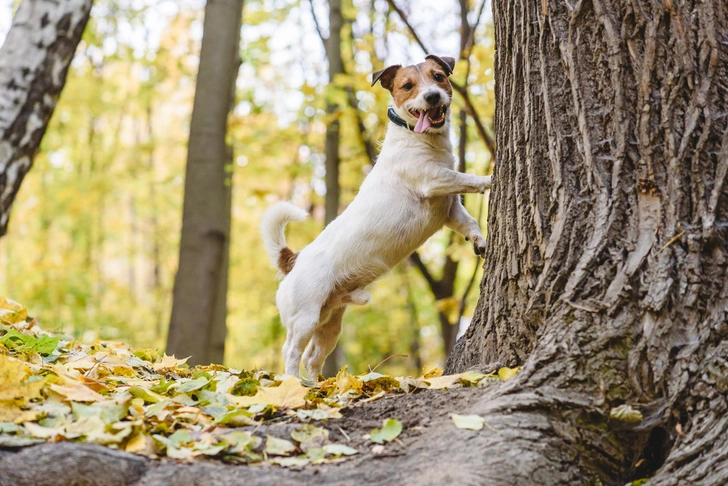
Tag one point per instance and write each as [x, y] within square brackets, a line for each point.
[446, 182]
[462, 222]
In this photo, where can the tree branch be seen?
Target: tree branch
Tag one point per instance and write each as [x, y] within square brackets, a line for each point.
[470, 108]
[471, 37]
[434, 284]
[318, 26]
[407, 24]
[462, 90]
[369, 148]
[351, 96]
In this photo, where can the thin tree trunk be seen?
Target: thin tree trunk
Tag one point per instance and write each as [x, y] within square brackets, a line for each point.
[444, 288]
[156, 284]
[607, 262]
[333, 190]
[197, 325]
[336, 67]
[34, 59]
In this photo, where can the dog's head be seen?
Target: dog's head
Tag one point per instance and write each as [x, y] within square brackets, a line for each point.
[422, 92]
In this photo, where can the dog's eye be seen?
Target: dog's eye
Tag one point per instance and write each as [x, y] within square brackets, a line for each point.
[407, 86]
[439, 77]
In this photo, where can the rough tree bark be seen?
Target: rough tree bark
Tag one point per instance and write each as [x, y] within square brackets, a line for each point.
[34, 63]
[199, 309]
[606, 269]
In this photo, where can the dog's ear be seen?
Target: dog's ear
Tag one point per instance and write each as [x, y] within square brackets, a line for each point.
[446, 63]
[386, 76]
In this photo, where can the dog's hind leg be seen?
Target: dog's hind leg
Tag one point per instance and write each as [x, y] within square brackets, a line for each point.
[323, 343]
[300, 330]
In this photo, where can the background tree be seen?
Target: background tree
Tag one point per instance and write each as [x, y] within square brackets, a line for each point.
[97, 223]
[35, 59]
[442, 281]
[332, 46]
[199, 308]
[606, 266]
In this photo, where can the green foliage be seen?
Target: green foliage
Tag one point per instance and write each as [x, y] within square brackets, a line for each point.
[93, 239]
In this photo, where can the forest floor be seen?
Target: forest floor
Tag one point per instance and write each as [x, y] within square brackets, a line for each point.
[430, 450]
[101, 413]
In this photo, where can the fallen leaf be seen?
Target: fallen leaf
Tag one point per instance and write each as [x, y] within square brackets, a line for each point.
[192, 385]
[289, 394]
[348, 384]
[390, 430]
[240, 441]
[168, 362]
[315, 414]
[468, 422]
[76, 392]
[12, 312]
[27, 343]
[433, 373]
[147, 395]
[40, 431]
[141, 444]
[444, 382]
[506, 373]
[339, 450]
[291, 461]
[278, 447]
[108, 412]
[309, 436]
[14, 385]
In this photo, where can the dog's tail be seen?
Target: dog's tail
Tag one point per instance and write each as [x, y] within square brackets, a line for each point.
[272, 226]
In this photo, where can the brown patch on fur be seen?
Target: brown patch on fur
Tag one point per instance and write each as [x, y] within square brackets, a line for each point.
[419, 75]
[286, 260]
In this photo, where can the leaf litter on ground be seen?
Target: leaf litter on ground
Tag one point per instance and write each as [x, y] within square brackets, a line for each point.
[54, 388]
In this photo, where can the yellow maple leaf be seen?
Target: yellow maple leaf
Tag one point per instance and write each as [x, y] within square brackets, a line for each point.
[168, 362]
[346, 383]
[289, 394]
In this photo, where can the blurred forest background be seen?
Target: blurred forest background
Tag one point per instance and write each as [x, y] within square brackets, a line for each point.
[93, 241]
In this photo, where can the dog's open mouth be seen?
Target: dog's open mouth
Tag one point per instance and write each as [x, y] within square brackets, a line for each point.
[434, 117]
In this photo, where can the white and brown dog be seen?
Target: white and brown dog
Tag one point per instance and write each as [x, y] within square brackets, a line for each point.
[411, 192]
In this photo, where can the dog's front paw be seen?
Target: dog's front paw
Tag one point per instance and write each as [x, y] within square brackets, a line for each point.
[478, 245]
[485, 184]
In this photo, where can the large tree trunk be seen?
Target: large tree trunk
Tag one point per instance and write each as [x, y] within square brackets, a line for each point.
[606, 270]
[197, 326]
[34, 62]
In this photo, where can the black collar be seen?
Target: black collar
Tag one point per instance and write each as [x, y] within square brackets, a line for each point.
[399, 121]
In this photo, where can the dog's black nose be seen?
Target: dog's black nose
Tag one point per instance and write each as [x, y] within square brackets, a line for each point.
[433, 97]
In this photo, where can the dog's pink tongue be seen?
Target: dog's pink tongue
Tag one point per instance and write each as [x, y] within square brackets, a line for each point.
[423, 122]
